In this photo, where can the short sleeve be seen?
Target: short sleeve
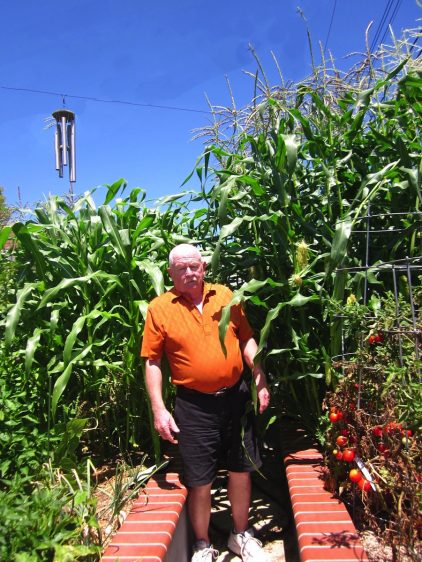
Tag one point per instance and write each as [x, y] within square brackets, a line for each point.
[244, 330]
[153, 338]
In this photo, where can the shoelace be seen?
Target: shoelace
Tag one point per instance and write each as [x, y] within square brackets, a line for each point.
[249, 545]
[209, 550]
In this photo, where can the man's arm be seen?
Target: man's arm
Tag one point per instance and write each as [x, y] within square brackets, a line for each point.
[163, 420]
[249, 349]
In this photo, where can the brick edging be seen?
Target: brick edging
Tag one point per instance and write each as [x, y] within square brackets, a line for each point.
[148, 530]
[324, 528]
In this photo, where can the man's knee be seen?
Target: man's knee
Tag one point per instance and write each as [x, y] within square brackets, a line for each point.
[203, 490]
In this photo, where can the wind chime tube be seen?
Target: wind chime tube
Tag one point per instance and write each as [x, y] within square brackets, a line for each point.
[57, 148]
[64, 140]
[72, 155]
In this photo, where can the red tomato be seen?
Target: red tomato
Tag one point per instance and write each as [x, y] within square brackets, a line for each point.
[339, 456]
[377, 431]
[348, 455]
[391, 427]
[375, 338]
[333, 417]
[340, 415]
[381, 447]
[345, 432]
[341, 440]
[355, 475]
[364, 484]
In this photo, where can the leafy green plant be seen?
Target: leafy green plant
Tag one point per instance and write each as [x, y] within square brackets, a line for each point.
[43, 525]
[85, 277]
[290, 181]
[24, 442]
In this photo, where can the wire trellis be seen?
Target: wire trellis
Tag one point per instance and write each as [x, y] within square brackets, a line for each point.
[391, 275]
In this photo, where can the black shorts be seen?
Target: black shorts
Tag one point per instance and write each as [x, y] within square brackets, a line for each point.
[215, 432]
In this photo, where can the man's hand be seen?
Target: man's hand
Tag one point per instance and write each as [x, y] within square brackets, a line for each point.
[263, 398]
[165, 425]
[249, 349]
[163, 420]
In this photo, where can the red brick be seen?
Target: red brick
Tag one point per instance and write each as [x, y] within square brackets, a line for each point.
[325, 554]
[303, 468]
[307, 485]
[158, 503]
[323, 516]
[344, 526]
[140, 550]
[317, 497]
[303, 478]
[333, 540]
[153, 516]
[150, 536]
[300, 505]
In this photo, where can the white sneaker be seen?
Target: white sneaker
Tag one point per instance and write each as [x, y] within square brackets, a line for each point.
[247, 546]
[203, 552]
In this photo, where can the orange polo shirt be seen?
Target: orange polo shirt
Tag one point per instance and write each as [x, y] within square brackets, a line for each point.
[190, 340]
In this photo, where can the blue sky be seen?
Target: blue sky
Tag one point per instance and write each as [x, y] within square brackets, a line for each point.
[161, 53]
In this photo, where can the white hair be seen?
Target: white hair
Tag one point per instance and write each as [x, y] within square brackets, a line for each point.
[190, 250]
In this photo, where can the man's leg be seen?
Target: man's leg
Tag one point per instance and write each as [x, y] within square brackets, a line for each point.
[239, 493]
[199, 509]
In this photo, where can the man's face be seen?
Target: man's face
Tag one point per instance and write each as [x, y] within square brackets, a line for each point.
[187, 273]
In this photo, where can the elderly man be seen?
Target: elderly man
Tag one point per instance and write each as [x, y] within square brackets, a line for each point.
[210, 398]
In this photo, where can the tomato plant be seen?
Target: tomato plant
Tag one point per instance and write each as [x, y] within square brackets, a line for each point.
[380, 435]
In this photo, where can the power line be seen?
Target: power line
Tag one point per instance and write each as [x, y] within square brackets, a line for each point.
[396, 9]
[101, 100]
[329, 27]
[381, 24]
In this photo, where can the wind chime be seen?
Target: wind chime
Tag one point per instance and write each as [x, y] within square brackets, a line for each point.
[64, 142]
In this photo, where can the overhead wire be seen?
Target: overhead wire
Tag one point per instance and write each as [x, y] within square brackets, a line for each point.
[396, 9]
[381, 25]
[329, 27]
[377, 40]
[101, 100]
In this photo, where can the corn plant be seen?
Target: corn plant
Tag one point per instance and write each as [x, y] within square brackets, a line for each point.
[85, 278]
[288, 179]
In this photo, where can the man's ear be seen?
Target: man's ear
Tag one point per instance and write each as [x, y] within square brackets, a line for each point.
[169, 272]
